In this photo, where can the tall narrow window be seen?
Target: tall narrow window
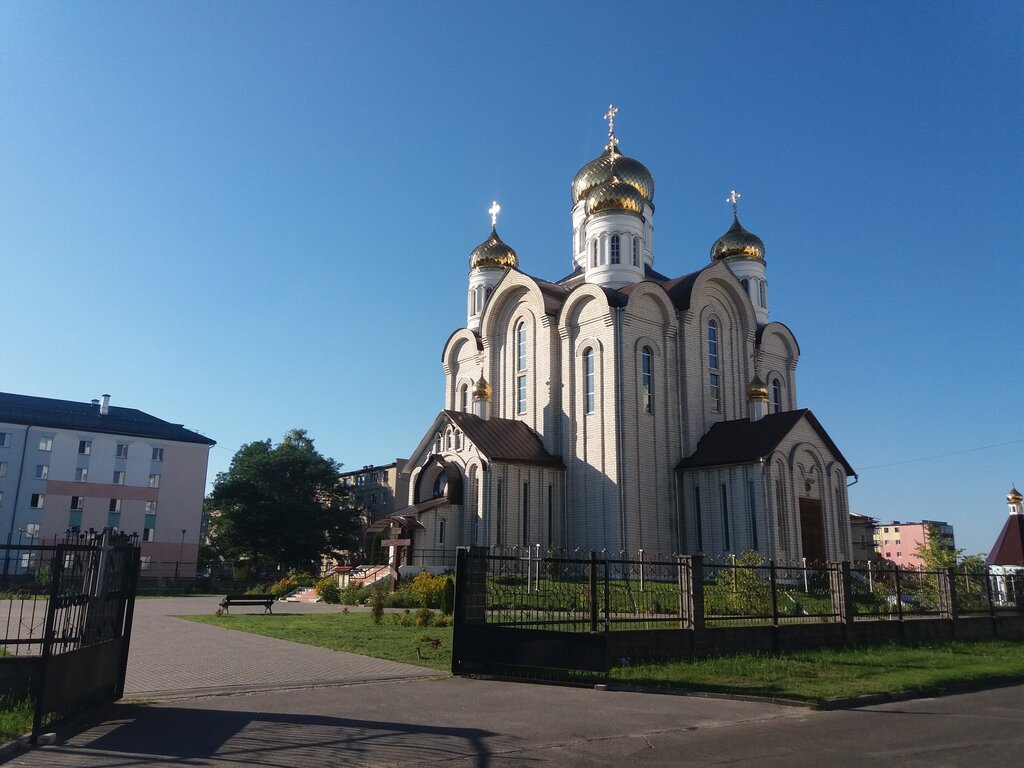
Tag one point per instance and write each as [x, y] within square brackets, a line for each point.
[46, 443]
[551, 514]
[42, 471]
[526, 514]
[714, 385]
[521, 368]
[593, 253]
[777, 395]
[761, 290]
[499, 513]
[725, 516]
[122, 451]
[636, 251]
[697, 518]
[588, 377]
[751, 491]
[85, 447]
[616, 257]
[440, 531]
[464, 398]
[647, 379]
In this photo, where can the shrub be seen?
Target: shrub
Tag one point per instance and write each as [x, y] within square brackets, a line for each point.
[424, 617]
[448, 596]
[377, 605]
[354, 595]
[328, 590]
[428, 589]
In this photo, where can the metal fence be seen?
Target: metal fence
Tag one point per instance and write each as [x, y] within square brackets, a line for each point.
[588, 591]
[67, 621]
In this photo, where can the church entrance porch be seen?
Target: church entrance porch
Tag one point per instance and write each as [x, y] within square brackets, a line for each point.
[812, 530]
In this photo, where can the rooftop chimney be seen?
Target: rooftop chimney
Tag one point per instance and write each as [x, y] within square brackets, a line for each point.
[95, 401]
[105, 405]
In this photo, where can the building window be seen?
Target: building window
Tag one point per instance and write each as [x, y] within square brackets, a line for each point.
[521, 368]
[37, 500]
[118, 477]
[148, 534]
[464, 398]
[777, 395]
[42, 471]
[114, 506]
[440, 530]
[746, 285]
[588, 378]
[761, 291]
[150, 523]
[697, 518]
[1, 497]
[77, 502]
[146, 562]
[751, 491]
[46, 443]
[521, 395]
[32, 530]
[499, 515]
[616, 257]
[647, 379]
[81, 474]
[3, 469]
[150, 507]
[85, 447]
[114, 520]
[714, 385]
[122, 451]
[725, 516]
[636, 251]
[526, 514]
[158, 454]
[551, 514]
[5, 439]
[154, 481]
[75, 518]
[593, 253]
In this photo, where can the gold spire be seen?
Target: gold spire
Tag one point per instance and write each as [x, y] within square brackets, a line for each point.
[757, 389]
[734, 197]
[482, 390]
[613, 141]
[1014, 496]
[494, 210]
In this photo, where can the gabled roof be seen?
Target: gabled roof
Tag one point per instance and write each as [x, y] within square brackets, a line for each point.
[72, 415]
[505, 440]
[743, 441]
[1009, 547]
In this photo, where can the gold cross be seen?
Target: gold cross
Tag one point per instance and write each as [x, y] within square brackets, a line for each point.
[610, 117]
[734, 197]
[494, 210]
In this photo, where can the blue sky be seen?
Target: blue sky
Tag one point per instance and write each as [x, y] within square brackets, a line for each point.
[249, 217]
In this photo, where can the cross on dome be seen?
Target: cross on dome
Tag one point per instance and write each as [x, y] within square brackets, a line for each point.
[734, 197]
[494, 210]
[610, 117]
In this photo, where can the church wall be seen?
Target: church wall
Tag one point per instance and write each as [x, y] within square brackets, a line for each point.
[777, 359]
[510, 523]
[724, 511]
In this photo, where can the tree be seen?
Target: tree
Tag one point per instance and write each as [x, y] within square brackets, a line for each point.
[935, 552]
[283, 505]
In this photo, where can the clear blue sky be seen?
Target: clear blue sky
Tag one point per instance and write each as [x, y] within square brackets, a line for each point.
[249, 217]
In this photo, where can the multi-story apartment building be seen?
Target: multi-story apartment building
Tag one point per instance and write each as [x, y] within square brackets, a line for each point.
[375, 487]
[862, 536]
[898, 542]
[67, 465]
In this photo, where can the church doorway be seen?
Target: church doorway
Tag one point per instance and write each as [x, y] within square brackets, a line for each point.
[812, 530]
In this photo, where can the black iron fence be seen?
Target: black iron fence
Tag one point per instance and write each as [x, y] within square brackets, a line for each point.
[67, 613]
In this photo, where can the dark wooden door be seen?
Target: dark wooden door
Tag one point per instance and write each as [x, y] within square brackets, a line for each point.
[812, 530]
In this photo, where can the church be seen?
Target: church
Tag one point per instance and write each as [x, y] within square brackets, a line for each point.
[618, 409]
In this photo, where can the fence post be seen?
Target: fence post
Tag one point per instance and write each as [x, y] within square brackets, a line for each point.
[470, 597]
[691, 591]
[899, 596]
[592, 576]
[946, 584]
[841, 587]
[607, 608]
[775, 592]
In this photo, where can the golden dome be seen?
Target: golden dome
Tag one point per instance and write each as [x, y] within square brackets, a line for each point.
[613, 164]
[482, 390]
[1014, 496]
[493, 252]
[615, 195]
[737, 243]
[757, 389]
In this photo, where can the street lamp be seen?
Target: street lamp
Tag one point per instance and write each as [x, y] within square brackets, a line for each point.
[181, 550]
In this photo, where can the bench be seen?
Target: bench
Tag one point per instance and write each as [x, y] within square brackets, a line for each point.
[267, 601]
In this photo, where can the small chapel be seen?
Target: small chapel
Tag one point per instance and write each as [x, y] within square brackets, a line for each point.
[621, 409]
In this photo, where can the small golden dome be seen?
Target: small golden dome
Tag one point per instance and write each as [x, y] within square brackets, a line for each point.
[757, 389]
[737, 243]
[613, 163]
[614, 195]
[482, 390]
[493, 252]
[1014, 496]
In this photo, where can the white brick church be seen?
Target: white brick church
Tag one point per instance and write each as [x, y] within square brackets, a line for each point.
[621, 409]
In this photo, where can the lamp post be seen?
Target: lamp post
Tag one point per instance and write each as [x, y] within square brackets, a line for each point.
[17, 563]
[181, 549]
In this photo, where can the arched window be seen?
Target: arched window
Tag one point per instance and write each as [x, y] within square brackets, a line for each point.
[776, 395]
[464, 398]
[588, 380]
[714, 384]
[499, 517]
[526, 514]
[746, 285]
[615, 249]
[521, 368]
[762, 290]
[647, 379]
[636, 251]
[593, 253]
[440, 485]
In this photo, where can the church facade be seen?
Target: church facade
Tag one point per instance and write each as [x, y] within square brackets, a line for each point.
[621, 409]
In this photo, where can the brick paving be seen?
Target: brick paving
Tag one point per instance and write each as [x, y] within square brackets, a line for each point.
[173, 658]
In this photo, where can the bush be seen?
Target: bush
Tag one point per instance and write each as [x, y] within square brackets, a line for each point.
[328, 590]
[354, 595]
[448, 596]
[428, 589]
[377, 607]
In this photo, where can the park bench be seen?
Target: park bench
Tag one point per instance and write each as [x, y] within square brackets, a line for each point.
[267, 601]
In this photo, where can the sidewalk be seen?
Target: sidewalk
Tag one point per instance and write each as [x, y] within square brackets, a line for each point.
[173, 658]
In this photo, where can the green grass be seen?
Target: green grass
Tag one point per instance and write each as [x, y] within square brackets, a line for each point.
[821, 675]
[15, 717]
[352, 632]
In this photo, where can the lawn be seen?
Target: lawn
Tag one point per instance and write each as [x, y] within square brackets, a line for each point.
[15, 717]
[353, 632]
[838, 673]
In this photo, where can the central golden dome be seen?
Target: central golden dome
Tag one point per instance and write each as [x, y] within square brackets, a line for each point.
[737, 243]
[613, 164]
[493, 252]
[615, 195]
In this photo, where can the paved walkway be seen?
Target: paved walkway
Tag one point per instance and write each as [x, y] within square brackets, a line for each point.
[174, 658]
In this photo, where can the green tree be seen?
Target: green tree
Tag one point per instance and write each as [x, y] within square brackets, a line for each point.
[935, 552]
[282, 505]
